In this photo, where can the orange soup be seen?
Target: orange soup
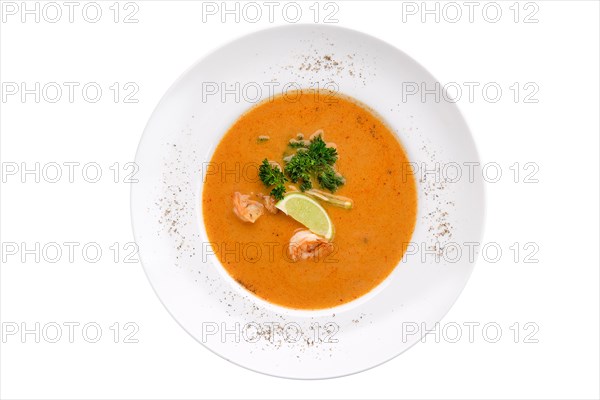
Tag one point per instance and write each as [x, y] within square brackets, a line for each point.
[370, 237]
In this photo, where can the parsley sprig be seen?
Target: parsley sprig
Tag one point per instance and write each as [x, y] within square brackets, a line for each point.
[313, 162]
[271, 175]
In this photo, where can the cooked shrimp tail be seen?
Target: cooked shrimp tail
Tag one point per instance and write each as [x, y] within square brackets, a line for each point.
[306, 245]
[247, 210]
[269, 202]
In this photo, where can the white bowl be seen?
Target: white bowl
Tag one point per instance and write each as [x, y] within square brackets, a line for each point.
[167, 217]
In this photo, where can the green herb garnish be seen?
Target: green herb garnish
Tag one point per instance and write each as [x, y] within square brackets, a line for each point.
[316, 161]
[330, 180]
[271, 175]
[262, 139]
[313, 161]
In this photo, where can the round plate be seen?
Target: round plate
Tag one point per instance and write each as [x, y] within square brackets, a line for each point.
[167, 217]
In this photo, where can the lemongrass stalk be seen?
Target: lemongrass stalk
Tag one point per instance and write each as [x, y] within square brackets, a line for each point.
[334, 200]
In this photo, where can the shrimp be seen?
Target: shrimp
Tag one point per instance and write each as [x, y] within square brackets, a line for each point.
[269, 202]
[306, 245]
[247, 210]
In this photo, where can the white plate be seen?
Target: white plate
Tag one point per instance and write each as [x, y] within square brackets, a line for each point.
[167, 217]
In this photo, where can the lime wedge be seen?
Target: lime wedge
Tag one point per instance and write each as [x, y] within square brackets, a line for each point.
[308, 212]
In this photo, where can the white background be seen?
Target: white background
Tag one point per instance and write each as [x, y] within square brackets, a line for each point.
[560, 293]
